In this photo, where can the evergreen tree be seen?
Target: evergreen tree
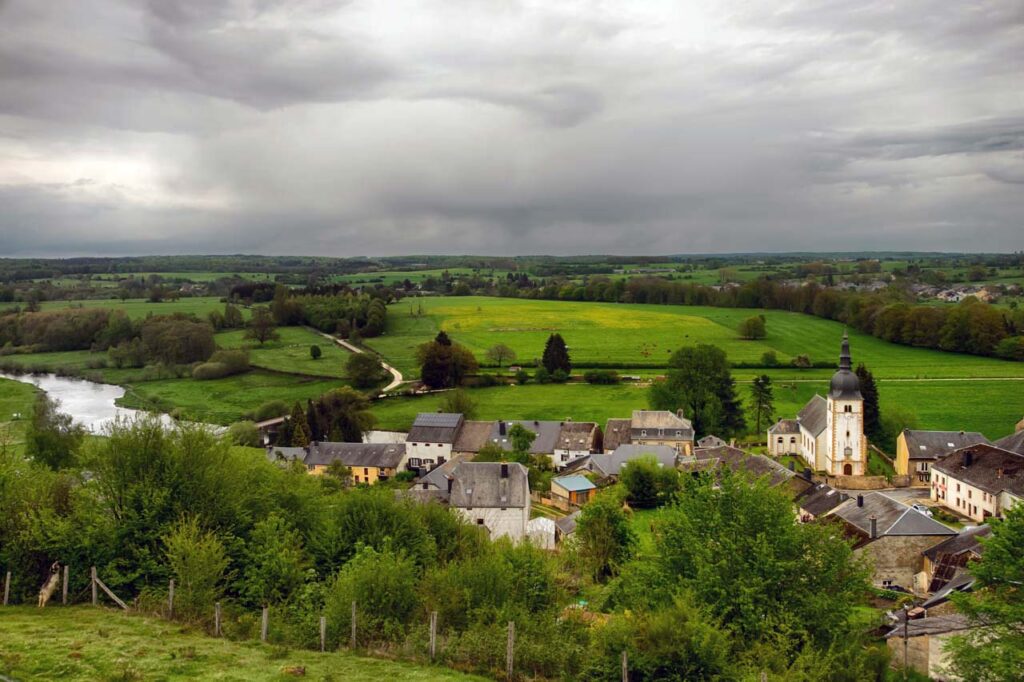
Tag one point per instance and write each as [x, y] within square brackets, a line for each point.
[300, 427]
[872, 414]
[556, 355]
[761, 401]
[442, 338]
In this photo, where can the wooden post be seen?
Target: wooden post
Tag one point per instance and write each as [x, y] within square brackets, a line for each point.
[510, 649]
[264, 623]
[625, 666]
[92, 580]
[323, 634]
[7, 588]
[170, 599]
[64, 593]
[433, 634]
[352, 642]
[216, 619]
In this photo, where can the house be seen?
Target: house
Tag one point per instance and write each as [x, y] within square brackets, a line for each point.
[831, 437]
[948, 559]
[757, 466]
[575, 440]
[892, 535]
[473, 436]
[616, 433]
[368, 462]
[1014, 442]
[916, 451]
[495, 495]
[710, 441]
[546, 435]
[565, 527]
[608, 465]
[925, 643]
[979, 481]
[430, 439]
[576, 489]
[784, 438]
[818, 500]
[661, 427]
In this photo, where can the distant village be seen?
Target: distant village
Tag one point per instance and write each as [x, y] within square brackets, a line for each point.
[966, 478]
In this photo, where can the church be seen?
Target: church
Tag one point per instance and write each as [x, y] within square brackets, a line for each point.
[828, 432]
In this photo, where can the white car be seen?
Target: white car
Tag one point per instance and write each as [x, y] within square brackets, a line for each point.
[922, 508]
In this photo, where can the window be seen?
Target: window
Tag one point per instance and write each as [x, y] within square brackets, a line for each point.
[357, 479]
[643, 433]
[958, 487]
[969, 495]
[887, 583]
[848, 408]
[479, 522]
[414, 461]
[780, 440]
[366, 471]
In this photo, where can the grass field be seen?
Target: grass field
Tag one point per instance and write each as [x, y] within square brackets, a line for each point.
[291, 352]
[139, 307]
[87, 643]
[16, 398]
[626, 333]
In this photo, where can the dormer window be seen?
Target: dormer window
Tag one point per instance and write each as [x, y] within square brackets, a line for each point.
[643, 433]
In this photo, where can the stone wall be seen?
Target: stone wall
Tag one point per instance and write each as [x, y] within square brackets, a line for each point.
[898, 557]
[858, 482]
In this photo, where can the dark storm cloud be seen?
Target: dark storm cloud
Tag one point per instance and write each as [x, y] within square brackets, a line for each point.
[347, 128]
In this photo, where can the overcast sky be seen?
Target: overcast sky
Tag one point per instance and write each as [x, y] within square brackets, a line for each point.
[340, 128]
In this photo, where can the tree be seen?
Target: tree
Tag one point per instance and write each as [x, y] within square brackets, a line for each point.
[233, 317]
[801, 362]
[363, 370]
[244, 433]
[275, 563]
[315, 352]
[342, 415]
[300, 435]
[753, 328]
[872, 414]
[699, 382]
[458, 401]
[604, 536]
[995, 651]
[769, 359]
[556, 355]
[52, 437]
[894, 422]
[647, 483]
[382, 583]
[261, 326]
[500, 353]
[761, 401]
[521, 439]
[444, 364]
[198, 562]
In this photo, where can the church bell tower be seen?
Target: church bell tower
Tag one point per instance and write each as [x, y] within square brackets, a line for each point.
[847, 446]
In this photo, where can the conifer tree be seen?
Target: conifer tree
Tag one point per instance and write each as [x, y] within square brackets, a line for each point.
[872, 413]
[300, 427]
[556, 355]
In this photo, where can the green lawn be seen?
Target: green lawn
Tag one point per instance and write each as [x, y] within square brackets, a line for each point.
[628, 333]
[291, 352]
[139, 307]
[223, 401]
[87, 643]
[16, 398]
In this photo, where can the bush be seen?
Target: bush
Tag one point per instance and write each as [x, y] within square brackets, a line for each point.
[315, 352]
[223, 363]
[1011, 348]
[598, 376]
[383, 586]
[753, 328]
[542, 376]
[769, 359]
[522, 376]
[199, 563]
[364, 370]
[271, 409]
[244, 433]
[559, 376]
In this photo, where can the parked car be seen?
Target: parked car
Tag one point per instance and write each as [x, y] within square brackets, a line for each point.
[924, 509]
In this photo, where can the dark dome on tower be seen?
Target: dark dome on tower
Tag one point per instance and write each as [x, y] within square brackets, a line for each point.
[845, 385]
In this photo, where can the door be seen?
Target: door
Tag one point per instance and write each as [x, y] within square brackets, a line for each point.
[848, 470]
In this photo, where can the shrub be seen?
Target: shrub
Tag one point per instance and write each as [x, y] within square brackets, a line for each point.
[271, 409]
[559, 376]
[223, 363]
[1011, 348]
[522, 376]
[383, 585]
[753, 328]
[244, 433]
[199, 562]
[542, 376]
[601, 376]
[769, 359]
[315, 352]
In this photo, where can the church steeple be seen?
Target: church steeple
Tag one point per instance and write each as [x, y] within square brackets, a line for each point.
[845, 362]
[845, 385]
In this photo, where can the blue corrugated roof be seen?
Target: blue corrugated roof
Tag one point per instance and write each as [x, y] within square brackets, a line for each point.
[574, 483]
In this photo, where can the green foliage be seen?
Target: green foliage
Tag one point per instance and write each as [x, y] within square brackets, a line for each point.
[223, 363]
[521, 439]
[601, 376]
[647, 483]
[1011, 348]
[444, 364]
[270, 410]
[762, 401]
[894, 421]
[801, 361]
[177, 339]
[364, 370]
[382, 583]
[500, 353]
[556, 355]
[262, 327]
[298, 431]
[198, 562]
[700, 383]
[604, 536]
[522, 376]
[753, 328]
[770, 358]
[340, 415]
[244, 433]
[275, 562]
[872, 414]
[52, 438]
[559, 376]
[459, 402]
[315, 352]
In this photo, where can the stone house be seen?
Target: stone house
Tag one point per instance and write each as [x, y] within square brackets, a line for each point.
[926, 639]
[430, 440]
[661, 427]
[979, 481]
[916, 451]
[495, 495]
[575, 440]
[616, 433]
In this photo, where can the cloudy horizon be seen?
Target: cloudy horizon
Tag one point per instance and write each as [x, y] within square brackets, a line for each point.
[347, 128]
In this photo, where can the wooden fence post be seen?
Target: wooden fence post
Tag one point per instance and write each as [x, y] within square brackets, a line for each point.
[352, 642]
[92, 581]
[433, 634]
[170, 599]
[64, 592]
[509, 651]
[323, 634]
[216, 619]
[625, 666]
[264, 623]
[7, 588]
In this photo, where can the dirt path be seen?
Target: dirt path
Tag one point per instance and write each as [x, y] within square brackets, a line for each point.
[396, 376]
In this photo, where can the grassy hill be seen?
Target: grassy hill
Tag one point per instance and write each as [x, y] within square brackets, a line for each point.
[86, 643]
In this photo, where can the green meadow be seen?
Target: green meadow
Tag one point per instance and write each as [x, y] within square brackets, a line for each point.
[16, 400]
[138, 307]
[85, 643]
[290, 353]
[631, 334]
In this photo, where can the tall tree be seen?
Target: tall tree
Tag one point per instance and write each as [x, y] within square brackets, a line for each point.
[761, 401]
[501, 353]
[605, 537]
[261, 326]
[344, 415]
[299, 427]
[52, 437]
[699, 382]
[444, 364]
[872, 414]
[556, 355]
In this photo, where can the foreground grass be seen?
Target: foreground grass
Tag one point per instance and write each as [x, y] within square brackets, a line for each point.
[86, 643]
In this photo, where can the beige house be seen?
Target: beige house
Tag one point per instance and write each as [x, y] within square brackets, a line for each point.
[917, 451]
[979, 481]
[661, 427]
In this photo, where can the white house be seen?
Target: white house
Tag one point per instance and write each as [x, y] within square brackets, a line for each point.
[979, 481]
[495, 495]
[575, 440]
[784, 438]
[429, 442]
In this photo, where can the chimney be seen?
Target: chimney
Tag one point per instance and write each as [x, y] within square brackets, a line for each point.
[968, 459]
[501, 428]
[504, 470]
[679, 413]
[874, 527]
[860, 500]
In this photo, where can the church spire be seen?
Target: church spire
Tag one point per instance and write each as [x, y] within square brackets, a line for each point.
[845, 362]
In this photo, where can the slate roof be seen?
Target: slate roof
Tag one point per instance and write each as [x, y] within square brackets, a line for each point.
[567, 524]
[821, 499]
[967, 540]
[576, 436]
[963, 582]
[992, 469]
[784, 427]
[813, 416]
[277, 454]
[472, 436]
[931, 445]
[544, 444]
[935, 625]
[892, 517]
[480, 484]
[710, 441]
[437, 478]
[382, 455]
[435, 427]
[1014, 442]
[660, 424]
[574, 484]
[737, 460]
[616, 433]
[611, 463]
